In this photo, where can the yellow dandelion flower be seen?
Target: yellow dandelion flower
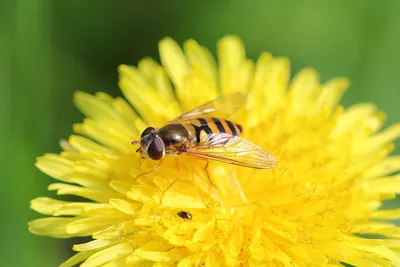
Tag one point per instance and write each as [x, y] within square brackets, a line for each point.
[312, 209]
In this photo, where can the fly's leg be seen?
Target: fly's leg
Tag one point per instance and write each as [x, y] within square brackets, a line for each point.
[212, 192]
[212, 185]
[173, 182]
[135, 142]
[151, 171]
[234, 183]
[209, 177]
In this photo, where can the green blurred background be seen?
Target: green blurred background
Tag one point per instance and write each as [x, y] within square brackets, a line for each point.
[49, 49]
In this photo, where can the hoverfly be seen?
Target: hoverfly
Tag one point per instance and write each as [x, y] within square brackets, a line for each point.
[206, 133]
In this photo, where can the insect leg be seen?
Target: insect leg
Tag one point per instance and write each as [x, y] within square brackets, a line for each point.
[208, 174]
[173, 182]
[212, 185]
[151, 171]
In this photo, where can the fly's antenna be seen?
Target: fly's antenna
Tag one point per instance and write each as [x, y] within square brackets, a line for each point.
[135, 142]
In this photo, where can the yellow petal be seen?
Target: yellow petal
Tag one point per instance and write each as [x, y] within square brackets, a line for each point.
[187, 262]
[121, 187]
[386, 214]
[89, 225]
[386, 256]
[363, 162]
[212, 260]
[104, 256]
[95, 244]
[83, 144]
[123, 206]
[174, 61]
[82, 209]
[125, 229]
[141, 193]
[147, 68]
[66, 170]
[112, 232]
[92, 168]
[389, 184]
[278, 79]
[109, 135]
[246, 76]
[132, 120]
[303, 90]
[376, 227]
[359, 119]
[356, 257]
[309, 254]
[77, 258]
[263, 64]
[149, 251]
[271, 82]
[173, 200]
[94, 108]
[164, 87]
[92, 194]
[393, 244]
[331, 92]
[55, 227]
[198, 89]
[136, 261]
[200, 56]
[116, 263]
[284, 258]
[46, 205]
[381, 139]
[66, 146]
[233, 245]
[231, 56]
[204, 233]
[140, 95]
[54, 166]
[387, 166]
[258, 96]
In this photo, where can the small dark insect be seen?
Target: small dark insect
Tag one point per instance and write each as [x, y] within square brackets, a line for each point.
[185, 215]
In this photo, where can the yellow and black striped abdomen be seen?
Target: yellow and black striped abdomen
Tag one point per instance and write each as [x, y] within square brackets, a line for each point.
[201, 126]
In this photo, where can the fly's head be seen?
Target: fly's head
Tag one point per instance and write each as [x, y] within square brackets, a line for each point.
[151, 144]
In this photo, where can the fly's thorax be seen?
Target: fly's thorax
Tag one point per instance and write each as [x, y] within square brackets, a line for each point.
[174, 135]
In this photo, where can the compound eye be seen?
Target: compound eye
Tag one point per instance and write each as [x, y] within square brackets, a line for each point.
[156, 149]
[147, 131]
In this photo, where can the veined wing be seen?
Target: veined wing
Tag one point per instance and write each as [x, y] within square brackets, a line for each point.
[221, 107]
[234, 150]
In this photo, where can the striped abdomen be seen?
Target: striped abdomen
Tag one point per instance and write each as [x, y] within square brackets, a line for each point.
[201, 126]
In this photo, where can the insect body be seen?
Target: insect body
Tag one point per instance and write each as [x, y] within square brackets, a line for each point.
[206, 133]
[178, 137]
[185, 215]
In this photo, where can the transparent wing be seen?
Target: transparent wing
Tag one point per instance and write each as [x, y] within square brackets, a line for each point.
[234, 150]
[222, 107]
